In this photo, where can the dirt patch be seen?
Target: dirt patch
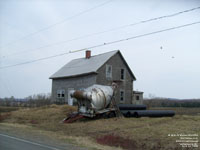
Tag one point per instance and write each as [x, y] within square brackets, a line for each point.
[117, 141]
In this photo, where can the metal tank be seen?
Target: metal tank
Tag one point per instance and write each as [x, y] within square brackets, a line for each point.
[94, 99]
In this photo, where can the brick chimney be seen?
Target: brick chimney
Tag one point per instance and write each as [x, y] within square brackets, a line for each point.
[87, 54]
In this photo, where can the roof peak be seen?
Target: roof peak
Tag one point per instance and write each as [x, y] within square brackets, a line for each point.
[106, 52]
[97, 54]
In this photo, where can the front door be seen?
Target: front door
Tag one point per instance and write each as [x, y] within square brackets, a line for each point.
[70, 99]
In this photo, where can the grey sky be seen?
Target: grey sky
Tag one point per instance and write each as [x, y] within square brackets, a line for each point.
[165, 64]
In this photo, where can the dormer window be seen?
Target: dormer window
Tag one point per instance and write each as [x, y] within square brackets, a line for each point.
[108, 71]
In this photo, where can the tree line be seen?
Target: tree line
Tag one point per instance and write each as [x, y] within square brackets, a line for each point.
[36, 100]
[164, 102]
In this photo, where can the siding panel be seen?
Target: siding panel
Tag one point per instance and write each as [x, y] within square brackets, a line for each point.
[127, 84]
[77, 83]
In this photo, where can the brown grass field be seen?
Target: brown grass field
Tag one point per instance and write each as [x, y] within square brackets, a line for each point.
[117, 133]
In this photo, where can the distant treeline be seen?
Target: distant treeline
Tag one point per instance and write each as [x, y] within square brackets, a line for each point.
[161, 102]
[30, 101]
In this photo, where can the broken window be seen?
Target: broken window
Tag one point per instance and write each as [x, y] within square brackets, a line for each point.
[121, 95]
[108, 71]
[60, 93]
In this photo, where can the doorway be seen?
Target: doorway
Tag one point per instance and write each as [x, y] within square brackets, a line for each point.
[70, 99]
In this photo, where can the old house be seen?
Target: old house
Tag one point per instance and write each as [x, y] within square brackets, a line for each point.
[100, 69]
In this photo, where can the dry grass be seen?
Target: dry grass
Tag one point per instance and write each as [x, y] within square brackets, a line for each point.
[180, 110]
[145, 133]
[47, 114]
[8, 109]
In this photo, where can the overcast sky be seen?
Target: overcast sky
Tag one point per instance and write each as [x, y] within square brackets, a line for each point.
[166, 64]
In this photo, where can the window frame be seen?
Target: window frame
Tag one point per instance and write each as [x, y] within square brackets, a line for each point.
[108, 74]
[137, 97]
[60, 93]
[122, 91]
[124, 74]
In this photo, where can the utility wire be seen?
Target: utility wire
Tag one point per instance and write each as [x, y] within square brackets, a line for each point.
[60, 22]
[104, 44]
[167, 16]
[105, 31]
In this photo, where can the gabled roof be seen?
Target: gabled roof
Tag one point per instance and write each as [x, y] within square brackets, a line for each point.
[83, 66]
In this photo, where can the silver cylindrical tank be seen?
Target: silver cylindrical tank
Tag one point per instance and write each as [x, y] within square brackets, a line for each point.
[99, 96]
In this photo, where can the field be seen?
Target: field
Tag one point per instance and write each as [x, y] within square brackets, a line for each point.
[121, 133]
[8, 109]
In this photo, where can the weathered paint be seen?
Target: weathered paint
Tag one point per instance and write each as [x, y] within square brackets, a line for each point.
[97, 97]
[127, 84]
[137, 98]
[76, 83]
[84, 81]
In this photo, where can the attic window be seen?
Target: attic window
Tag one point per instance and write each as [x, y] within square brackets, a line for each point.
[60, 93]
[122, 74]
[108, 71]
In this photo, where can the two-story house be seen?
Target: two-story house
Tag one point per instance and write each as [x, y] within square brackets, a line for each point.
[99, 69]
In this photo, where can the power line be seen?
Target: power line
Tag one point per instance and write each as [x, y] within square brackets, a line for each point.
[167, 16]
[105, 31]
[60, 22]
[104, 44]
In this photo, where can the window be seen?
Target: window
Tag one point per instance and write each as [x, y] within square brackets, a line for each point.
[137, 97]
[122, 74]
[121, 95]
[108, 71]
[60, 93]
